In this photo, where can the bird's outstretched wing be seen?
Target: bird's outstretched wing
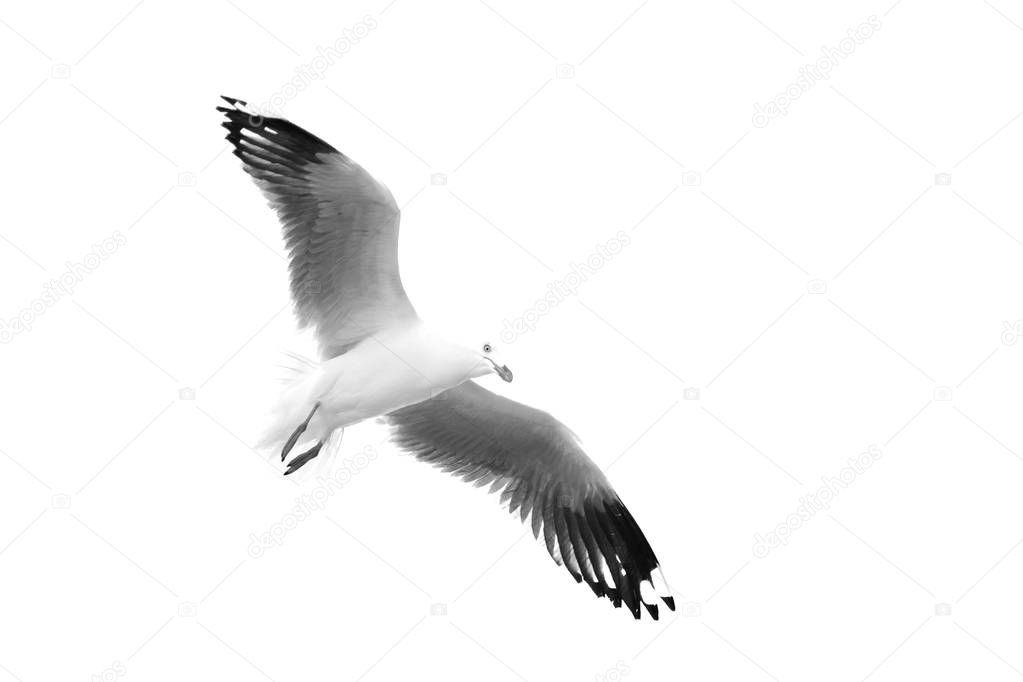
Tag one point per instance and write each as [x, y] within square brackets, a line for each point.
[485, 438]
[340, 226]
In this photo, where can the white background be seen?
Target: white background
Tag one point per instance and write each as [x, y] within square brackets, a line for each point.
[816, 284]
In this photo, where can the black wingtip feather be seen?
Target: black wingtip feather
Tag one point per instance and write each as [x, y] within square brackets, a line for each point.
[294, 146]
[605, 530]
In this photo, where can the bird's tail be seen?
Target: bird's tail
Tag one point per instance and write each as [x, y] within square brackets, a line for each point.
[298, 394]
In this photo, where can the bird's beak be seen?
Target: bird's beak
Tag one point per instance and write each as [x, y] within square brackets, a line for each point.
[502, 371]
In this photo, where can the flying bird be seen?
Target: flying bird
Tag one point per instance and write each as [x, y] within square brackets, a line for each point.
[378, 359]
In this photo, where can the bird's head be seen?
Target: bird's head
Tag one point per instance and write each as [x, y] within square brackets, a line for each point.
[490, 362]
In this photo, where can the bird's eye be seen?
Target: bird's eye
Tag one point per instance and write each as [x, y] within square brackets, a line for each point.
[487, 348]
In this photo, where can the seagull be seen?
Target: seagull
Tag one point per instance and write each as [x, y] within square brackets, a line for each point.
[379, 360]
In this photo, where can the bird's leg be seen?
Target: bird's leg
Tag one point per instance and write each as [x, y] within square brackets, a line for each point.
[298, 433]
[297, 463]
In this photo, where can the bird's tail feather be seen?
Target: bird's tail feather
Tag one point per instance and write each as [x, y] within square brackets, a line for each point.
[298, 391]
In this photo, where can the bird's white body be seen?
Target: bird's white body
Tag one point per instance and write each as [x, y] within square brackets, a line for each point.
[384, 372]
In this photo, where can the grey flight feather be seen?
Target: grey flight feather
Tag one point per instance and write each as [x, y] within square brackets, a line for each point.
[485, 438]
[340, 226]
